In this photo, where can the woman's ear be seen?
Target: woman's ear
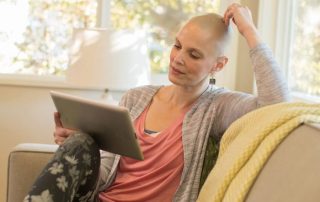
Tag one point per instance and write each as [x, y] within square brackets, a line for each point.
[221, 62]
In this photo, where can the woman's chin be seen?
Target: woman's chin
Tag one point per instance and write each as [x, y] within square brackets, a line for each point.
[174, 80]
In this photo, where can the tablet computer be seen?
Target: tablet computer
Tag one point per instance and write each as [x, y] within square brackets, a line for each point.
[110, 126]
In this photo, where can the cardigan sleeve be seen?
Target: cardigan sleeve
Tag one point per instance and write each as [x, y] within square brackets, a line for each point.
[271, 88]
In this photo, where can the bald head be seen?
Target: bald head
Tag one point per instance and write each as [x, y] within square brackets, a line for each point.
[215, 28]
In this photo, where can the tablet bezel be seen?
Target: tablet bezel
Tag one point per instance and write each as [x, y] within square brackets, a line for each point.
[110, 126]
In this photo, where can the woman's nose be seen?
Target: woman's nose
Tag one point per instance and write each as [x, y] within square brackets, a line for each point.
[179, 58]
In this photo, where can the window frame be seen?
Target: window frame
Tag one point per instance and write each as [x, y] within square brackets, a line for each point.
[277, 30]
[273, 28]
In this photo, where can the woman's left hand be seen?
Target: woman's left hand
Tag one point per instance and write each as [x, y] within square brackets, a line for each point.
[242, 18]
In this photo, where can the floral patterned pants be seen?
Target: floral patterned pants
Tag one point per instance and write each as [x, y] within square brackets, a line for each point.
[71, 175]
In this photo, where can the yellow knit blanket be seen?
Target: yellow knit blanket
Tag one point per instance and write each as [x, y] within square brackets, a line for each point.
[247, 145]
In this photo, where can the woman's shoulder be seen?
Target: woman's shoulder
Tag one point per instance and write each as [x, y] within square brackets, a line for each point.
[145, 91]
[138, 94]
[216, 91]
[221, 94]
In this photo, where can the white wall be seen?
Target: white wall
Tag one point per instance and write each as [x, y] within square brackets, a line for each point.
[26, 115]
[238, 73]
[244, 79]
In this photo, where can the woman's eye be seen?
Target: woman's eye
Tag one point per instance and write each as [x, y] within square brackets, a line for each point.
[194, 56]
[177, 46]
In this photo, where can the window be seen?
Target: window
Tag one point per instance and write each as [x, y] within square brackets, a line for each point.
[36, 38]
[304, 62]
[35, 34]
[292, 29]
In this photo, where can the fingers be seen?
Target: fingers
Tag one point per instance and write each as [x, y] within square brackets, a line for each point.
[227, 17]
[59, 140]
[235, 12]
[60, 134]
[57, 120]
[229, 14]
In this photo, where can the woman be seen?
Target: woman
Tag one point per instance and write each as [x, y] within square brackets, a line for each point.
[173, 123]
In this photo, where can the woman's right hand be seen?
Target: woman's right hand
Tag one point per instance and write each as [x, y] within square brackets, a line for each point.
[60, 134]
[242, 18]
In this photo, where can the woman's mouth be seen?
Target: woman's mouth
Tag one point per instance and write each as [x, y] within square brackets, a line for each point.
[176, 71]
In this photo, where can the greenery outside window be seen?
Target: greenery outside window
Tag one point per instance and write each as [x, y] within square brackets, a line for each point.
[304, 62]
[292, 29]
[35, 34]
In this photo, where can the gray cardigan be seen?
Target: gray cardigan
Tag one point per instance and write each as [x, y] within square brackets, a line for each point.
[211, 114]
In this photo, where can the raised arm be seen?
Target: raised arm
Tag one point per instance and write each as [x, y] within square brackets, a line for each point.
[271, 84]
[242, 18]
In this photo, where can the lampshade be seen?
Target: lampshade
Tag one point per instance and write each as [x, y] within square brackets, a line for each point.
[105, 58]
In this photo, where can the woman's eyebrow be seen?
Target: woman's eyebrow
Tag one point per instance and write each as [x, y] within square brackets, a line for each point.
[191, 49]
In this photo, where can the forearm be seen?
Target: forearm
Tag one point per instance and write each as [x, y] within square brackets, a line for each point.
[252, 37]
[271, 83]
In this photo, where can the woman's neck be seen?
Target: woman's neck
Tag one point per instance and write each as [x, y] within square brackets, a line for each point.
[181, 96]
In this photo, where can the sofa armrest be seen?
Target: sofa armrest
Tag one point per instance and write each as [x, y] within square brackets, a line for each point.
[25, 163]
[292, 171]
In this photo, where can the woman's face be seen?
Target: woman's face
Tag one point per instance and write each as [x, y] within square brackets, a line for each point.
[192, 56]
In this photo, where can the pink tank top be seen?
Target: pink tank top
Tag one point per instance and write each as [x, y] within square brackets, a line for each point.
[157, 177]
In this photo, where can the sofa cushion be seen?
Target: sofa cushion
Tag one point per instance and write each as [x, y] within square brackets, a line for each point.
[25, 163]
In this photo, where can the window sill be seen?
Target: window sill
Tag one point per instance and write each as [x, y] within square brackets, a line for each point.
[41, 82]
[302, 97]
[60, 82]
